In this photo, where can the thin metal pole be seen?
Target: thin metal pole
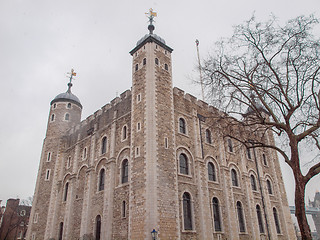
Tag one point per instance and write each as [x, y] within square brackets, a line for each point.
[200, 70]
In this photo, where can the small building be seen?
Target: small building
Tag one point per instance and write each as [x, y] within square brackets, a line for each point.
[15, 220]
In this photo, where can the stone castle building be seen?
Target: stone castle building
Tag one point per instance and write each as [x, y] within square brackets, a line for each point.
[150, 160]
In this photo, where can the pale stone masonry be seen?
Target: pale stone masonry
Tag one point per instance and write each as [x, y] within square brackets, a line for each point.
[152, 159]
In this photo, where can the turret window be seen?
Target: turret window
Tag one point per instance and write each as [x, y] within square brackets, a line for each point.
[264, 159]
[253, 183]
[208, 136]
[69, 105]
[137, 67]
[124, 209]
[156, 61]
[52, 117]
[49, 157]
[65, 195]
[67, 117]
[230, 146]
[166, 67]
[144, 61]
[47, 177]
[124, 133]
[269, 186]
[276, 220]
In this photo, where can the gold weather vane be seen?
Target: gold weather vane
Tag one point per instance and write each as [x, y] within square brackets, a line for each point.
[151, 14]
[72, 73]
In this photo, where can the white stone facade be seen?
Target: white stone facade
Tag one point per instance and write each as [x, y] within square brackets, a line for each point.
[119, 174]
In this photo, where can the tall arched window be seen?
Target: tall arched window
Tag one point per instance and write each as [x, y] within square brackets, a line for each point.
[230, 146]
[269, 186]
[104, 145]
[183, 163]
[208, 136]
[144, 61]
[253, 182]
[101, 179]
[187, 211]
[124, 171]
[69, 105]
[276, 220]
[216, 214]
[234, 178]
[259, 216]
[156, 61]
[98, 227]
[242, 227]
[52, 117]
[67, 117]
[60, 231]
[124, 132]
[137, 67]
[182, 126]
[211, 172]
[66, 191]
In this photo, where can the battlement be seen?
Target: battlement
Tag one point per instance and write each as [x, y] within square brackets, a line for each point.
[107, 107]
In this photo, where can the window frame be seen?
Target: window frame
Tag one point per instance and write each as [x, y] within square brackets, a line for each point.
[230, 145]
[269, 186]
[182, 126]
[213, 173]
[186, 164]
[234, 178]
[104, 142]
[101, 179]
[124, 171]
[240, 216]
[253, 182]
[208, 136]
[276, 220]
[216, 215]
[260, 219]
[187, 212]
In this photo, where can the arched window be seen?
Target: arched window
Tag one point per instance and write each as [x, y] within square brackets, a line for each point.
[101, 179]
[211, 172]
[249, 153]
[124, 132]
[156, 61]
[264, 159]
[124, 171]
[166, 66]
[242, 227]
[216, 214]
[60, 231]
[124, 209]
[183, 163]
[276, 220]
[137, 67]
[208, 136]
[182, 126]
[187, 211]
[67, 117]
[259, 216]
[230, 146]
[52, 117]
[69, 105]
[234, 178]
[253, 182]
[104, 145]
[269, 186]
[144, 61]
[98, 227]
[66, 192]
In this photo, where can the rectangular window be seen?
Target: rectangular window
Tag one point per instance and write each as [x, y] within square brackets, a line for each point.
[137, 151]
[36, 216]
[138, 126]
[33, 237]
[166, 144]
[138, 98]
[49, 157]
[47, 177]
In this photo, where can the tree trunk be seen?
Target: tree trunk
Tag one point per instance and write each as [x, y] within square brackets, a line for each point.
[300, 206]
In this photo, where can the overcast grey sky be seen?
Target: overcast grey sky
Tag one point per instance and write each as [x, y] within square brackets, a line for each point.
[41, 40]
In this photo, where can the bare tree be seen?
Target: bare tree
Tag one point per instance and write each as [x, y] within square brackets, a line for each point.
[269, 74]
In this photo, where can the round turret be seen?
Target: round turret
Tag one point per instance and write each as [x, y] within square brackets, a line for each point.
[65, 112]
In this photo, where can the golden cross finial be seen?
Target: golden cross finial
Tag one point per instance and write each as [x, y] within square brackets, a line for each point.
[151, 14]
[72, 74]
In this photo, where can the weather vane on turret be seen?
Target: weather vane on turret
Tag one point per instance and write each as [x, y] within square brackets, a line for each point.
[72, 73]
[150, 15]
